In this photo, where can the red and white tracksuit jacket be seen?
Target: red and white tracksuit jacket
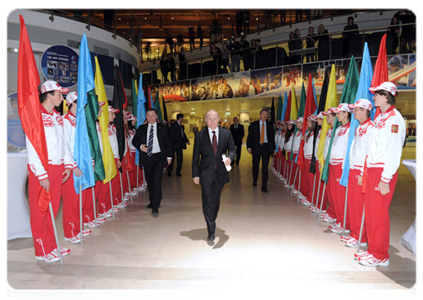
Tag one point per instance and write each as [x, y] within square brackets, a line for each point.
[59, 158]
[362, 137]
[383, 159]
[336, 159]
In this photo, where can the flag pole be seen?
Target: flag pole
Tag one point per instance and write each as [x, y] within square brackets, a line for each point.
[345, 210]
[81, 236]
[137, 179]
[299, 187]
[111, 198]
[121, 185]
[129, 184]
[314, 186]
[55, 234]
[361, 230]
[95, 210]
[321, 204]
[317, 198]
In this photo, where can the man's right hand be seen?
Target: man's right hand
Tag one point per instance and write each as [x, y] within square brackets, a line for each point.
[45, 184]
[196, 180]
[249, 150]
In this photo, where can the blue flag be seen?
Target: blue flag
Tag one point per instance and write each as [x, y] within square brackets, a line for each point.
[363, 92]
[82, 142]
[285, 105]
[141, 114]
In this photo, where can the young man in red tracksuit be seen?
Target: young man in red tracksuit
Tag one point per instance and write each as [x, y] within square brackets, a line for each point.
[60, 165]
[362, 137]
[71, 217]
[383, 159]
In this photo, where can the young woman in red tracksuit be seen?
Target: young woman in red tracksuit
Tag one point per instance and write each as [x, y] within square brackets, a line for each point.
[60, 165]
[295, 147]
[383, 159]
[287, 146]
[71, 209]
[357, 156]
[307, 178]
[318, 189]
[329, 215]
[336, 159]
[133, 175]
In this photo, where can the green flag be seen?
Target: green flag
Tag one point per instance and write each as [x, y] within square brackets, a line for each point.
[279, 111]
[91, 112]
[158, 107]
[348, 96]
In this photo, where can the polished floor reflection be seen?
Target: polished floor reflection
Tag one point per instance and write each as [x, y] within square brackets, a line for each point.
[263, 242]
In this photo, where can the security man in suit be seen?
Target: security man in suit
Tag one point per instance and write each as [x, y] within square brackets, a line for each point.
[261, 144]
[208, 167]
[153, 140]
[237, 131]
[179, 142]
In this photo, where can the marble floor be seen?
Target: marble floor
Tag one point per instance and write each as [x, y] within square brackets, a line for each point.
[267, 245]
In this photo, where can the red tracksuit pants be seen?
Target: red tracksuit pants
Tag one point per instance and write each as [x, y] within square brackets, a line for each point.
[377, 213]
[306, 179]
[41, 222]
[337, 193]
[355, 206]
[70, 208]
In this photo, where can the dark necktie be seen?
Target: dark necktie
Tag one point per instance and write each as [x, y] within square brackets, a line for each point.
[214, 142]
[150, 143]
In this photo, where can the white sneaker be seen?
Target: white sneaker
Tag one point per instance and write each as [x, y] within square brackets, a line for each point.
[336, 225]
[73, 240]
[123, 204]
[107, 214]
[126, 198]
[64, 251]
[294, 191]
[48, 257]
[86, 232]
[372, 261]
[336, 230]
[100, 220]
[91, 224]
[353, 243]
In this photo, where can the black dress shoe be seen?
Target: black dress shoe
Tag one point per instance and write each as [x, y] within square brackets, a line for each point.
[169, 174]
[211, 237]
[255, 183]
[149, 206]
[155, 212]
[179, 174]
[237, 163]
[265, 190]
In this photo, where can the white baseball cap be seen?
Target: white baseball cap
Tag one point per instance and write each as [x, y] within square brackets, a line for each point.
[342, 107]
[386, 86]
[329, 111]
[363, 103]
[312, 117]
[51, 85]
[320, 115]
[71, 97]
[299, 120]
[113, 110]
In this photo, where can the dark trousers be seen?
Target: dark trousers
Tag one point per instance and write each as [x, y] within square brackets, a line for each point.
[179, 160]
[264, 153]
[153, 169]
[210, 193]
[238, 152]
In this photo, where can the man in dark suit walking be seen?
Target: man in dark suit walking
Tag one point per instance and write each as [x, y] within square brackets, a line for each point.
[261, 144]
[208, 167]
[179, 141]
[152, 139]
[237, 131]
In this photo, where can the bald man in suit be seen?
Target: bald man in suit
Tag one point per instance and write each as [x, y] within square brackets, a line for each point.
[208, 167]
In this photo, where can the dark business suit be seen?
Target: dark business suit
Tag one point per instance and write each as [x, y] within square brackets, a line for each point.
[238, 135]
[153, 166]
[179, 142]
[212, 171]
[260, 151]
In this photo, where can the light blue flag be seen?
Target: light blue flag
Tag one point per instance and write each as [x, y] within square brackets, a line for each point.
[141, 114]
[285, 105]
[82, 142]
[363, 92]
[315, 98]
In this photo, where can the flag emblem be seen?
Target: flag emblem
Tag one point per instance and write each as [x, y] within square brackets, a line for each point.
[394, 128]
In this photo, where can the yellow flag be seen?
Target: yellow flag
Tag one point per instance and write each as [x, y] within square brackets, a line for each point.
[65, 107]
[294, 107]
[331, 101]
[108, 158]
[136, 90]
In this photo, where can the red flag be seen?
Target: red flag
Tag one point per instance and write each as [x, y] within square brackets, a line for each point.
[29, 106]
[310, 108]
[149, 97]
[288, 108]
[380, 73]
